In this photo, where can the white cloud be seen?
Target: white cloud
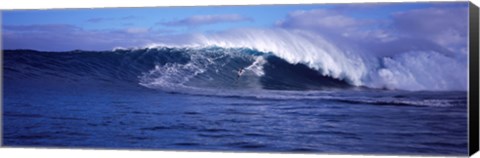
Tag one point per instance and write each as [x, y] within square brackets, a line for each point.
[198, 20]
[447, 27]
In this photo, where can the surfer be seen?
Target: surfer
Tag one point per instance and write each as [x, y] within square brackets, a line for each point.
[239, 73]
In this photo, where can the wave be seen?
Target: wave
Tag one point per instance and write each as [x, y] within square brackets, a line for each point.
[416, 68]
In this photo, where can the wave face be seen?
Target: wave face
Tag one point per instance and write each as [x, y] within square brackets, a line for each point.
[170, 69]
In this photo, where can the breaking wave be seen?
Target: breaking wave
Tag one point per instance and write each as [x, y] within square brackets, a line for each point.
[416, 69]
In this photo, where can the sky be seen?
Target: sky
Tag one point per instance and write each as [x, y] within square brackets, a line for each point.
[107, 28]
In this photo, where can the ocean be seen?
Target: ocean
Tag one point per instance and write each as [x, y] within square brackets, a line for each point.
[192, 99]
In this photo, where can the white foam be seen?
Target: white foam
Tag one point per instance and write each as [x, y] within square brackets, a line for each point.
[175, 74]
[257, 66]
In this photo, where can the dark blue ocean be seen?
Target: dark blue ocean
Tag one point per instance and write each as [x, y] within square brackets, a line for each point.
[184, 99]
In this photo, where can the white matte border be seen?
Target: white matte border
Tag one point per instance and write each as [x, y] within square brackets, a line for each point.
[81, 153]
[89, 153]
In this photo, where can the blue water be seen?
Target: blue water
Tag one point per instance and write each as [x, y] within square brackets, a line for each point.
[122, 100]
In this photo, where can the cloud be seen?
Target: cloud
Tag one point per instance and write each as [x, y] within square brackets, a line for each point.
[331, 19]
[442, 29]
[137, 30]
[447, 27]
[62, 37]
[103, 19]
[319, 18]
[129, 17]
[198, 20]
[98, 20]
[334, 23]
[40, 28]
